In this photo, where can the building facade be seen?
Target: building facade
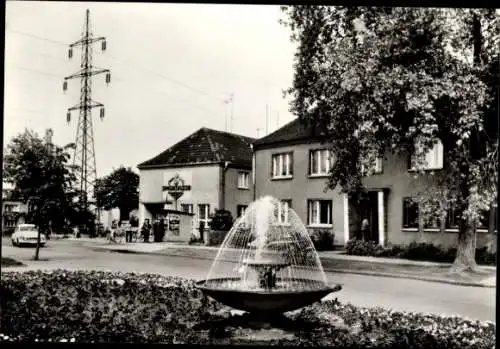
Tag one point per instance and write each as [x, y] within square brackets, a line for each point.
[292, 164]
[14, 211]
[206, 171]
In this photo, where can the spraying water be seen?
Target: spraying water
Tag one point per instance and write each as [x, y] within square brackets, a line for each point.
[263, 251]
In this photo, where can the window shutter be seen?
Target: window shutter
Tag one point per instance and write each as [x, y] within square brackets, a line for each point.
[290, 155]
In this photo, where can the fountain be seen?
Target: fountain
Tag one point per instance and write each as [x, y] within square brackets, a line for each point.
[267, 264]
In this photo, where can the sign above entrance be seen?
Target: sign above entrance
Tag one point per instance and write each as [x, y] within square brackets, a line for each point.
[176, 187]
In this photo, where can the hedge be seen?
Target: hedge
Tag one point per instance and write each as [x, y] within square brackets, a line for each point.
[109, 307]
[415, 251]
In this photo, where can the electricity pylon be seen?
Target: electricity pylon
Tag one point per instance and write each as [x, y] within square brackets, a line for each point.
[84, 155]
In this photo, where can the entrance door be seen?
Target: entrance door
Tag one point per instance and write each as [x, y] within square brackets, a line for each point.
[364, 206]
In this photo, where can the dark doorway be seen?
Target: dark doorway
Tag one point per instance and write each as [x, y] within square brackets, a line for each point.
[364, 206]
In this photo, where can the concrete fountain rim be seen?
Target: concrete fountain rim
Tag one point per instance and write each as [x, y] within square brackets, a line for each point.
[201, 284]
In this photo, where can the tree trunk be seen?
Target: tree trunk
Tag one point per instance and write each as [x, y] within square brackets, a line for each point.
[466, 251]
[37, 251]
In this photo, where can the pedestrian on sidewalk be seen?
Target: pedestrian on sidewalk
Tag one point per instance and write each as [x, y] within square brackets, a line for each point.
[146, 230]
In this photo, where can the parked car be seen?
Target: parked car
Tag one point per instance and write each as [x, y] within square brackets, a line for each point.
[27, 234]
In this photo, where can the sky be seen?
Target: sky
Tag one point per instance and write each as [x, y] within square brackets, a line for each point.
[172, 67]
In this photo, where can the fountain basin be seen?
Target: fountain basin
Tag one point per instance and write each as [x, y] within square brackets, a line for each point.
[231, 292]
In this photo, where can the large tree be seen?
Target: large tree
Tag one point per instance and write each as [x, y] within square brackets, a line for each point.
[118, 189]
[380, 80]
[41, 176]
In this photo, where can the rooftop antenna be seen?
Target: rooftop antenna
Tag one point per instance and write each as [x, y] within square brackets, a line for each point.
[267, 119]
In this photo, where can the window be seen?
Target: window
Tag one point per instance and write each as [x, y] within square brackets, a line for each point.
[282, 166]
[452, 219]
[203, 213]
[410, 213]
[319, 162]
[376, 168]
[187, 208]
[282, 214]
[433, 160]
[9, 208]
[240, 210]
[319, 212]
[243, 180]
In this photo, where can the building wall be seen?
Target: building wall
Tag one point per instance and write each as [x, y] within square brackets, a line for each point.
[17, 206]
[204, 182]
[395, 177]
[235, 196]
[301, 187]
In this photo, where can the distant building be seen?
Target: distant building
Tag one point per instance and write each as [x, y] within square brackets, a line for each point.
[292, 164]
[206, 171]
[13, 210]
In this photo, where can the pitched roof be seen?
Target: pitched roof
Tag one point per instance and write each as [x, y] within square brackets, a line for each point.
[205, 146]
[295, 131]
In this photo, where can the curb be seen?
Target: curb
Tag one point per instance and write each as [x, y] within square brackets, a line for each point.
[412, 277]
[333, 270]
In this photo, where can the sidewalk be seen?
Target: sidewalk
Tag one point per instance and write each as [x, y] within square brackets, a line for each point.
[332, 261]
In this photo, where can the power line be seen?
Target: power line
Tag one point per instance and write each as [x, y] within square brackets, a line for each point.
[127, 62]
[119, 80]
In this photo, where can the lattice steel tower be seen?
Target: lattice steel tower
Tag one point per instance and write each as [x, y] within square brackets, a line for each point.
[84, 156]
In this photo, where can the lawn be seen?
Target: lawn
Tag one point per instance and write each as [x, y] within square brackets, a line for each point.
[10, 262]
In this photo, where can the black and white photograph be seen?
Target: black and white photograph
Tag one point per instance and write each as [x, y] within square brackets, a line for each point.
[246, 174]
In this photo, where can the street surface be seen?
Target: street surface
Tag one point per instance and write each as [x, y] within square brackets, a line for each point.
[399, 294]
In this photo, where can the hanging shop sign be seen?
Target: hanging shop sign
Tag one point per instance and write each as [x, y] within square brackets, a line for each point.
[176, 187]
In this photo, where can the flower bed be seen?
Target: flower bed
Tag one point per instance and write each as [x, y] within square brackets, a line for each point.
[107, 307]
[415, 251]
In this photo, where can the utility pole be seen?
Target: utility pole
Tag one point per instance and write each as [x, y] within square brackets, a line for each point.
[84, 155]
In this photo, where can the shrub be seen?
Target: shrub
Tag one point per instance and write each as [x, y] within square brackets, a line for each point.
[100, 306]
[222, 220]
[358, 247]
[322, 239]
[415, 251]
[215, 237]
[109, 307]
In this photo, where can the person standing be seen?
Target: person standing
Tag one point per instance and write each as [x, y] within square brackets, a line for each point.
[365, 227]
[145, 230]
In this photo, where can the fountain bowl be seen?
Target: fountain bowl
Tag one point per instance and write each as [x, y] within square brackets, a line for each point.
[266, 301]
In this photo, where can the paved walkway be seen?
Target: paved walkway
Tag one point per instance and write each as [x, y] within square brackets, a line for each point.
[333, 261]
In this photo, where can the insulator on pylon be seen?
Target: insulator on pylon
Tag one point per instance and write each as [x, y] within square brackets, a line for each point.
[108, 78]
[103, 45]
[68, 117]
[102, 113]
[65, 85]
[70, 53]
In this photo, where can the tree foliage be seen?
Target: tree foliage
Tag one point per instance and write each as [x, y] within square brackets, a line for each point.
[41, 177]
[118, 189]
[381, 80]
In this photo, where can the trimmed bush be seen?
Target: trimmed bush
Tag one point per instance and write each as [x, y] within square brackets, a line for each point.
[415, 251]
[322, 239]
[215, 237]
[110, 307]
[222, 220]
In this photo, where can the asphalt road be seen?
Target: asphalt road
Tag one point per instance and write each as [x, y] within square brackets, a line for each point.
[400, 294]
